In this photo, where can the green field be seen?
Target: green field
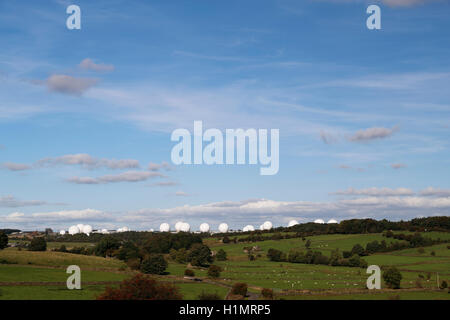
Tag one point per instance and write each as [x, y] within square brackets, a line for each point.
[41, 275]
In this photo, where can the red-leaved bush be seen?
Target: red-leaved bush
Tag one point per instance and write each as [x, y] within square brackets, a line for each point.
[141, 287]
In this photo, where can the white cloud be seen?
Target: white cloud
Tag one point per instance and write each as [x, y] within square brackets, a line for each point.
[12, 166]
[379, 192]
[430, 191]
[181, 194]
[86, 160]
[398, 165]
[88, 64]
[69, 85]
[372, 134]
[11, 202]
[129, 176]
[155, 166]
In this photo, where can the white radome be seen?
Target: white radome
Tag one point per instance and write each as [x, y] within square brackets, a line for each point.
[104, 231]
[261, 227]
[74, 230]
[62, 232]
[292, 223]
[332, 221]
[80, 227]
[267, 225]
[120, 230]
[319, 221]
[204, 227]
[248, 228]
[185, 227]
[178, 226]
[87, 229]
[223, 227]
[151, 230]
[125, 229]
[164, 227]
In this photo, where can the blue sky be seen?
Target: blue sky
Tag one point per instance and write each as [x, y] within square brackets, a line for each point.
[364, 115]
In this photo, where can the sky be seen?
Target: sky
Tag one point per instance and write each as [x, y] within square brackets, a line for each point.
[86, 115]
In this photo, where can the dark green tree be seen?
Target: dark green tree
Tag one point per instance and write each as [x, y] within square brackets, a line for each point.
[221, 255]
[392, 277]
[308, 244]
[199, 255]
[154, 264]
[38, 244]
[106, 246]
[3, 240]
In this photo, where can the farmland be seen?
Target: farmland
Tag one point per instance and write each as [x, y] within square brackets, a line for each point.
[41, 275]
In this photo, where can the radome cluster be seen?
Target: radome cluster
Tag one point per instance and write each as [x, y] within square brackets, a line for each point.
[181, 226]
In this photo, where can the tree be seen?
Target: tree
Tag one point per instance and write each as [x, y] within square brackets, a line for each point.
[128, 251]
[239, 288]
[392, 277]
[141, 287]
[106, 246]
[38, 244]
[208, 296]
[3, 240]
[226, 239]
[221, 255]
[154, 264]
[276, 255]
[214, 271]
[308, 244]
[200, 255]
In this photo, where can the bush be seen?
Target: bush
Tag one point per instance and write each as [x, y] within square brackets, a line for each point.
[208, 296]
[189, 273]
[239, 288]
[433, 253]
[214, 271]
[392, 277]
[38, 244]
[226, 239]
[443, 285]
[267, 293]
[141, 287]
[221, 255]
[134, 264]
[3, 240]
[154, 264]
[421, 250]
[359, 250]
[346, 254]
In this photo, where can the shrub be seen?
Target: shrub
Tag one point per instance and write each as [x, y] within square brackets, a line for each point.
[267, 293]
[443, 285]
[208, 296]
[392, 277]
[433, 253]
[419, 283]
[214, 271]
[221, 255]
[421, 250]
[239, 288]
[3, 240]
[346, 254]
[154, 264]
[38, 244]
[189, 273]
[141, 287]
[226, 239]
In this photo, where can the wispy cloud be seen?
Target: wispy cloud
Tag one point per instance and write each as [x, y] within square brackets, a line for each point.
[129, 176]
[11, 202]
[88, 64]
[398, 166]
[66, 84]
[87, 161]
[369, 134]
[12, 166]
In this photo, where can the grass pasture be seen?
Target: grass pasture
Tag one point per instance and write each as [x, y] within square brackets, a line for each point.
[41, 275]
